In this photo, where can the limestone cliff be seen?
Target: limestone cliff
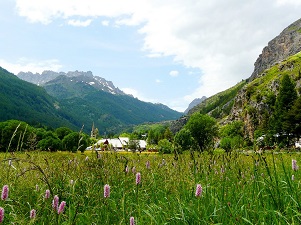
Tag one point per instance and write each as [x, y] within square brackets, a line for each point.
[287, 43]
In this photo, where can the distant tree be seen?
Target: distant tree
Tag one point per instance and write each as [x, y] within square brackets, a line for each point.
[203, 129]
[293, 118]
[62, 132]
[50, 143]
[284, 102]
[71, 142]
[183, 140]
[165, 146]
[168, 134]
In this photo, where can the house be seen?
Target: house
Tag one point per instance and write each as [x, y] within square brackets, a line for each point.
[120, 143]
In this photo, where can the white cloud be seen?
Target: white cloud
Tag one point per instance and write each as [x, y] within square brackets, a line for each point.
[221, 38]
[33, 66]
[79, 23]
[105, 23]
[137, 94]
[158, 81]
[174, 73]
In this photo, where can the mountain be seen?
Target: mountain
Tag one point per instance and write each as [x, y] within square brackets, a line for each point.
[91, 99]
[253, 100]
[24, 101]
[194, 103]
[77, 76]
[286, 44]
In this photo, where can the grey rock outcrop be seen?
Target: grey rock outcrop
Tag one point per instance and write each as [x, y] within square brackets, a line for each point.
[287, 43]
[194, 103]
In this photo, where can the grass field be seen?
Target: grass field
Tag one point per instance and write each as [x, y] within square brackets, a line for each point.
[233, 189]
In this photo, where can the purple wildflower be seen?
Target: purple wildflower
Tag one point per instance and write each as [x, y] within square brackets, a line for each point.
[138, 178]
[5, 191]
[33, 214]
[199, 190]
[106, 191]
[61, 207]
[147, 165]
[295, 167]
[1, 214]
[55, 202]
[132, 221]
[134, 169]
[47, 194]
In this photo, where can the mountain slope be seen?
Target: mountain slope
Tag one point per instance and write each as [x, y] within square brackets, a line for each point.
[27, 102]
[252, 101]
[110, 112]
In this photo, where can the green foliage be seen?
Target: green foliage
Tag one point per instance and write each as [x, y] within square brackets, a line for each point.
[165, 146]
[183, 140]
[219, 105]
[203, 129]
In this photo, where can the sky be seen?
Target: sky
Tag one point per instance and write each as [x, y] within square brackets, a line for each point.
[168, 52]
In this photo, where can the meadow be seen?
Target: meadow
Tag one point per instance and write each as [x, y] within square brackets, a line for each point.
[134, 188]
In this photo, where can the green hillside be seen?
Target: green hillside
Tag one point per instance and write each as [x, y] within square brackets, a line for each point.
[109, 112]
[27, 102]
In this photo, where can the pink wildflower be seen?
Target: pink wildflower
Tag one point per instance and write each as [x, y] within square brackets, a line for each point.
[106, 191]
[47, 194]
[134, 169]
[138, 178]
[55, 202]
[198, 191]
[33, 214]
[5, 191]
[127, 169]
[147, 165]
[295, 167]
[132, 221]
[1, 214]
[61, 207]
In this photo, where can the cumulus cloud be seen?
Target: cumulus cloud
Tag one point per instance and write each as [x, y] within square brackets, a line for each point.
[31, 65]
[79, 23]
[174, 73]
[221, 38]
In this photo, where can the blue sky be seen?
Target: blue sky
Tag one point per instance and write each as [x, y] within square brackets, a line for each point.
[168, 51]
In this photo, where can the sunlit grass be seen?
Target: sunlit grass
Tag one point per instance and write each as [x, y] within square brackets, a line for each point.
[237, 188]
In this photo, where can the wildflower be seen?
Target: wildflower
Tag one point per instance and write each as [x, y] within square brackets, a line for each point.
[138, 178]
[61, 207]
[33, 214]
[71, 182]
[5, 191]
[293, 177]
[106, 191]
[295, 167]
[47, 194]
[132, 221]
[87, 158]
[37, 187]
[199, 190]
[147, 165]
[127, 169]
[134, 169]
[1, 214]
[55, 202]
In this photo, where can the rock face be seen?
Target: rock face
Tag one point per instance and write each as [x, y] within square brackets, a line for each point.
[48, 77]
[194, 103]
[287, 43]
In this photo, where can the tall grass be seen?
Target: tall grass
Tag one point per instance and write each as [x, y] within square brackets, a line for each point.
[236, 188]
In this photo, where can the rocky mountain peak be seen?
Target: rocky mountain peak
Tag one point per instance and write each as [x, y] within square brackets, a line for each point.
[286, 44]
[88, 78]
[194, 103]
